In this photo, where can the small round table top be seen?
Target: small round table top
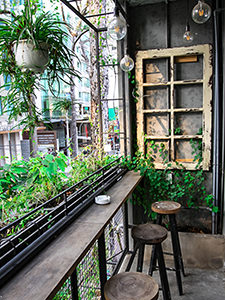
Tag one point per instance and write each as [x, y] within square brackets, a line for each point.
[131, 286]
[149, 233]
[166, 207]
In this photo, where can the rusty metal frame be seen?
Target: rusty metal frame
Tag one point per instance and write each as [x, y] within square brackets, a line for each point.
[206, 110]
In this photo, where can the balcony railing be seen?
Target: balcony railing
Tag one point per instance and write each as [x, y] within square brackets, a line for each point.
[79, 261]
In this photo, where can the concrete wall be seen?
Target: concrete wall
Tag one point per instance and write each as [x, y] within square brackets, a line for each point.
[162, 25]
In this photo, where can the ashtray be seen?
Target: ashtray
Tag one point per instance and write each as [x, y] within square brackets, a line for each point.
[102, 199]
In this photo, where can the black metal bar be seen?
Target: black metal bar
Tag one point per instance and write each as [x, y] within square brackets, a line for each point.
[102, 263]
[124, 104]
[74, 286]
[98, 15]
[117, 4]
[16, 222]
[102, 29]
[140, 257]
[79, 15]
[50, 225]
[109, 65]
[132, 257]
[116, 270]
[176, 253]
[99, 91]
[125, 225]
[162, 272]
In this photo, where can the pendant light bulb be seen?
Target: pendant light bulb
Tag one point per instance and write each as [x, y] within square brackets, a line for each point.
[201, 12]
[126, 63]
[188, 36]
[117, 28]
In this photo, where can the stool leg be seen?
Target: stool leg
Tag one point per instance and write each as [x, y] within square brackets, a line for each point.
[162, 272]
[132, 258]
[153, 256]
[140, 257]
[173, 220]
[152, 261]
[176, 252]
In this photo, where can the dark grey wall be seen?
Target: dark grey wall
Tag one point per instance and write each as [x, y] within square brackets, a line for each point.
[163, 25]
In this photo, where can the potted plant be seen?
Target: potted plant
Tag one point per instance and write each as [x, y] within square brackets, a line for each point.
[43, 39]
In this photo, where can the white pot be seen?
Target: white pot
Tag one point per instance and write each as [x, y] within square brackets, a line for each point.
[29, 57]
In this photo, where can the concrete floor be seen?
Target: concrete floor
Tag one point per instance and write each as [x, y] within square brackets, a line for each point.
[198, 284]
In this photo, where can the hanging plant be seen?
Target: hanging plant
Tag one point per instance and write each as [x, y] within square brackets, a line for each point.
[34, 45]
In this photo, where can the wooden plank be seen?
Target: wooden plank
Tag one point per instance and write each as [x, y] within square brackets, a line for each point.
[45, 274]
[185, 59]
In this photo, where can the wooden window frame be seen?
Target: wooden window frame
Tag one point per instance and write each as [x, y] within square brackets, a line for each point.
[206, 51]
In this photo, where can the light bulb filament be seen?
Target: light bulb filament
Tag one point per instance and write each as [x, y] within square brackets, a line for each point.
[201, 12]
[127, 64]
[117, 29]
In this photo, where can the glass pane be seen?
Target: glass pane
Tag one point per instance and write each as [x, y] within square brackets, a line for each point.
[187, 123]
[188, 96]
[188, 70]
[156, 70]
[156, 98]
[154, 152]
[157, 124]
[184, 150]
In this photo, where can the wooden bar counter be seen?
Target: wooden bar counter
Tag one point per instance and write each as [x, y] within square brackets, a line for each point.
[44, 275]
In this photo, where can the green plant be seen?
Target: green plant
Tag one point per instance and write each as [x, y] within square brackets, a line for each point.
[37, 27]
[25, 185]
[184, 186]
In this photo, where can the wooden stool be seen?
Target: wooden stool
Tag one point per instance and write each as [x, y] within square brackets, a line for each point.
[169, 208]
[150, 234]
[131, 286]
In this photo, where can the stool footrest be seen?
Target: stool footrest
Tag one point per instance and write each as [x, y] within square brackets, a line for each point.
[168, 253]
[167, 268]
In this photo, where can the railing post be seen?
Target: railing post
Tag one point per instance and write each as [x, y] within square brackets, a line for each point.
[74, 285]
[102, 263]
[125, 225]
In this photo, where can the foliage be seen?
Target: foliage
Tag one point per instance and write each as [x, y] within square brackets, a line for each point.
[186, 187]
[26, 184]
[38, 27]
[133, 82]
[88, 162]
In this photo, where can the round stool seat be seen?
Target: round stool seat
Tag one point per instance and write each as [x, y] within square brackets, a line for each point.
[131, 286]
[149, 233]
[166, 207]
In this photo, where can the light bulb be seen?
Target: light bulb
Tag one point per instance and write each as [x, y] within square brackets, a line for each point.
[117, 28]
[126, 63]
[188, 36]
[201, 12]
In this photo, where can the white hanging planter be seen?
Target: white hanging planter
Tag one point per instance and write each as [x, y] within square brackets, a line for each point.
[29, 57]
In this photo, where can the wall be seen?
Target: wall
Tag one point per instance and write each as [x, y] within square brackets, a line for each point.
[151, 28]
[162, 25]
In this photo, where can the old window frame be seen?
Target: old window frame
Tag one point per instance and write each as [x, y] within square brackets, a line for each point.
[206, 51]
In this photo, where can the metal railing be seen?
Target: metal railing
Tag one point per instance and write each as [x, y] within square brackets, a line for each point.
[46, 221]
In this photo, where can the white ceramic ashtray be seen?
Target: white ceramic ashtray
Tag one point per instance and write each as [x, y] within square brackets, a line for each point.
[102, 199]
